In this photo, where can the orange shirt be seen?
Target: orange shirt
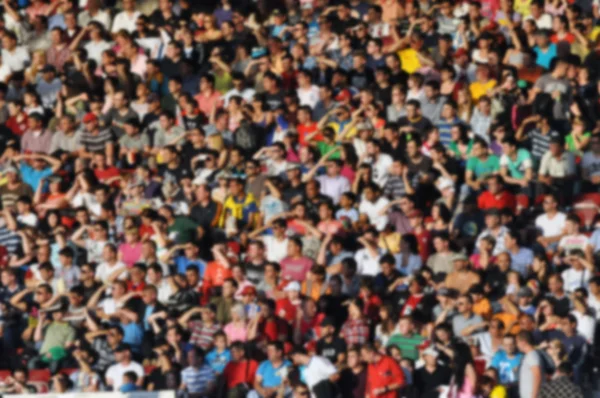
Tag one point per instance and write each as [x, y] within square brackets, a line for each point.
[509, 319]
[483, 308]
[383, 374]
[215, 275]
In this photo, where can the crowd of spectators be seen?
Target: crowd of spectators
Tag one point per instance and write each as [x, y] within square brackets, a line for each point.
[300, 198]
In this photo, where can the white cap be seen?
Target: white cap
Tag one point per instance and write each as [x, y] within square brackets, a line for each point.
[431, 351]
[293, 286]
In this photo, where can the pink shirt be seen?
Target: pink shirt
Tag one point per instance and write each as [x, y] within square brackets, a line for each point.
[130, 254]
[235, 333]
[295, 269]
[206, 103]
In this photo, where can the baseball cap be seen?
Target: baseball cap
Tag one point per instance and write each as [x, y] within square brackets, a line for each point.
[293, 286]
[48, 68]
[460, 52]
[89, 117]
[153, 97]
[327, 321]
[292, 166]
[431, 351]
[343, 95]
[248, 290]
[415, 213]
[460, 257]
[11, 169]
[123, 347]
[525, 292]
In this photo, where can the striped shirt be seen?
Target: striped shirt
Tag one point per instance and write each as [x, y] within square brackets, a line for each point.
[9, 196]
[202, 335]
[408, 345]
[394, 188]
[197, 380]
[95, 142]
[10, 240]
[540, 143]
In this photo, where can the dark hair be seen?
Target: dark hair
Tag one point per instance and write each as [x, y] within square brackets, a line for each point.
[411, 241]
[462, 357]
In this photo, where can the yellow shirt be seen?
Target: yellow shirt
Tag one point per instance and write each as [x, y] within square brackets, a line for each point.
[390, 242]
[522, 7]
[498, 392]
[409, 60]
[479, 89]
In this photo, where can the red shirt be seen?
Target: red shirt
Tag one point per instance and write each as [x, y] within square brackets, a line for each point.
[215, 275]
[16, 127]
[285, 309]
[383, 373]
[240, 372]
[411, 304]
[424, 243]
[107, 173]
[206, 103]
[272, 329]
[306, 129]
[503, 200]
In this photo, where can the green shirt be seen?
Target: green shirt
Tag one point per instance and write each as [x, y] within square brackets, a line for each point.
[408, 345]
[453, 146]
[482, 169]
[570, 141]
[183, 229]
[518, 166]
[324, 148]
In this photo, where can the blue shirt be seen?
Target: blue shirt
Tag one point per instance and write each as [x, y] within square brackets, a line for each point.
[147, 313]
[545, 58]
[218, 360]
[33, 176]
[271, 377]
[595, 240]
[506, 366]
[133, 335]
[521, 261]
[196, 380]
[182, 262]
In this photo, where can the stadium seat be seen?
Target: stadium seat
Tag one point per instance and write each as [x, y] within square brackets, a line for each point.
[42, 375]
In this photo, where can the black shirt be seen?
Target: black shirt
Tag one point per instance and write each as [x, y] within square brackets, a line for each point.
[175, 174]
[427, 383]
[255, 272]
[332, 349]
[204, 216]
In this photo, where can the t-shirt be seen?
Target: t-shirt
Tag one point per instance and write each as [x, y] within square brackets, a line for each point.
[591, 163]
[574, 279]
[275, 249]
[531, 360]
[551, 226]
[506, 366]
[332, 349]
[517, 166]
[295, 269]
[117, 371]
[272, 376]
[482, 168]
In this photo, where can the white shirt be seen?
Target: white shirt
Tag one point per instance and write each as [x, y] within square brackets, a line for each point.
[366, 264]
[28, 219]
[104, 271]
[16, 60]
[574, 279]
[381, 169]
[96, 48]
[94, 250]
[372, 210]
[543, 22]
[276, 250]
[551, 226]
[124, 21]
[334, 187]
[117, 371]
[318, 370]
[308, 96]
[586, 325]
[594, 304]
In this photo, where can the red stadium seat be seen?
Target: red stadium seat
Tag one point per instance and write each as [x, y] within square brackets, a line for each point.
[69, 371]
[587, 211]
[148, 369]
[4, 374]
[42, 375]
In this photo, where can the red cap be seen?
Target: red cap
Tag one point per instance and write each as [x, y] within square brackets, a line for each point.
[493, 25]
[415, 213]
[248, 290]
[460, 52]
[89, 117]
[343, 95]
